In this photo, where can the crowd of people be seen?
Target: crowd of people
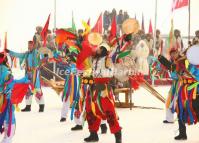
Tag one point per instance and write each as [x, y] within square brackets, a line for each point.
[120, 18]
[91, 93]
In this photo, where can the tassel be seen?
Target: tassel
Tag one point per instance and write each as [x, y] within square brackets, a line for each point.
[73, 110]
[10, 119]
[17, 108]
[99, 102]
[72, 89]
[15, 62]
[69, 88]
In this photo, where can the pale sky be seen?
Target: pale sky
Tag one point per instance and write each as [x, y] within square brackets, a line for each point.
[20, 17]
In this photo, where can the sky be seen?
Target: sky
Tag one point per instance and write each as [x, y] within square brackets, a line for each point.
[20, 17]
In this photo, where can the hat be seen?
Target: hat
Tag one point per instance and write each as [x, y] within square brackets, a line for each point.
[45, 50]
[39, 28]
[130, 26]
[2, 57]
[196, 32]
[105, 45]
[172, 50]
[95, 39]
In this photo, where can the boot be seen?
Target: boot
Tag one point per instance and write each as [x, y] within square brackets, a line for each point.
[103, 128]
[92, 138]
[41, 108]
[63, 119]
[118, 137]
[26, 109]
[76, 128]
[182, 129]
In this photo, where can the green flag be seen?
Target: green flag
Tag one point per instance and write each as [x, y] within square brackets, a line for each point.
[73, 24]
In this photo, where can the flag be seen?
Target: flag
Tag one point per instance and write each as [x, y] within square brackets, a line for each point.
[179, 4]
[73, 24]
[44, 31]
[88, 22]
[113, 31]
[143, 23]
[150, 27]
[86, 26]
[98, 26]
[62, 36]
[171, 37]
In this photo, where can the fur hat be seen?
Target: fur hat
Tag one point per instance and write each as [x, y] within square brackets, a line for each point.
[39, 28]
[105, 45]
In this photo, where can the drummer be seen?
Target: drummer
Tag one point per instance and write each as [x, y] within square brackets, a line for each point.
[103, 94]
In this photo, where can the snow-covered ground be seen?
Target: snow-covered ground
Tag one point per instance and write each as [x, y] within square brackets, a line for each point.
[139, 125]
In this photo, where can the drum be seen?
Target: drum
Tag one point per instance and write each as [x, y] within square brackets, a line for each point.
[192, 55]
[123, 70]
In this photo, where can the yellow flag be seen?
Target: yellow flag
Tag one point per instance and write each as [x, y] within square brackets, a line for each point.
[87, 27]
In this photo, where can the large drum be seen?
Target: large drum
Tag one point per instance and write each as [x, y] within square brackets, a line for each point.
[123, 70]
[192, 55]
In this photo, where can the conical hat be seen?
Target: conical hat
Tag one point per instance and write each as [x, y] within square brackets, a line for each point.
[95, 39]
[130, 26]
[45, 50]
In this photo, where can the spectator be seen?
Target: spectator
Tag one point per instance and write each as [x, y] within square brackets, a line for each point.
[196, 38]
[149, 42]
[159, 43]
[106, 20]
[120, 20]
[113, 13]
[126, 16]
[178, 40]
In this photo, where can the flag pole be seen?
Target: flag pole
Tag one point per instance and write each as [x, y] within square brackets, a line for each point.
[55, 17]
[189, 25]
[155, 25]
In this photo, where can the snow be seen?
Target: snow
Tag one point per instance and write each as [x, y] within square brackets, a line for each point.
[139, 125]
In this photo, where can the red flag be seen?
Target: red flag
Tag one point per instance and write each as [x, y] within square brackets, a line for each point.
[84, 53]
[88, 22]
[98, 26]
[179, 4]
[5, 42]
[62, 36]
[150, 27]
[44, 32]
[143, 23]
[113, 31]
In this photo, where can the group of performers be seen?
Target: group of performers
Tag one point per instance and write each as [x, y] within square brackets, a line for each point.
[90, 60]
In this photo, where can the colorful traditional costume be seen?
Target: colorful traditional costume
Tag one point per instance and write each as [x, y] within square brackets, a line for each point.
[33, 62]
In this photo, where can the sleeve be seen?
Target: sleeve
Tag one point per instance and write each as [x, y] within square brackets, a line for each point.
[8, 80]
[18, 55]
[174, 75]
[23, 80]
[194, 70]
